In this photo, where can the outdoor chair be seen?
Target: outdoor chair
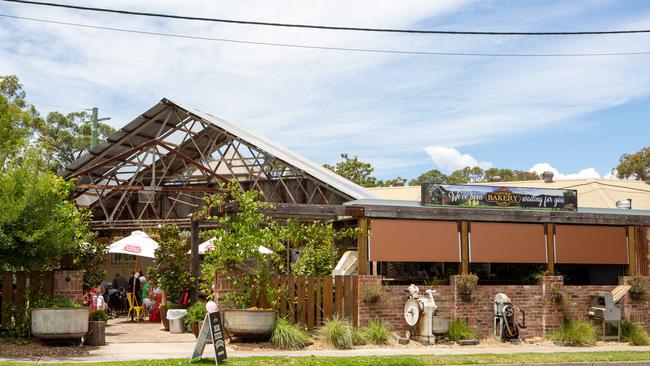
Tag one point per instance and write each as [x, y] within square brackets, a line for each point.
[134, 308]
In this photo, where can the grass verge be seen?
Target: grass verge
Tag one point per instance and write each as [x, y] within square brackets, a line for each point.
[478, 359]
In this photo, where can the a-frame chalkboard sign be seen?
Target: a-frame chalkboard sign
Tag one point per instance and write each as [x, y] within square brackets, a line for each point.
[211, 325]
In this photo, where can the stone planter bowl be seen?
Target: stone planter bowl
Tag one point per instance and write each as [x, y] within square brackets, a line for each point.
[249, 324]
[59, 323]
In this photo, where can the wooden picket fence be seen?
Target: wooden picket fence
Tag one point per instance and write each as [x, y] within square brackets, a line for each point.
[310, 300]
[15, 289]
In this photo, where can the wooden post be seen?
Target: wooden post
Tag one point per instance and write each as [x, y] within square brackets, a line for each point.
[194, 264]
[7, 299]
[362, 246]
[550, 248]
[631, 250]
[464, 247]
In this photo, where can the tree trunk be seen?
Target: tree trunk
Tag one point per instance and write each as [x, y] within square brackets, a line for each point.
[96, 335]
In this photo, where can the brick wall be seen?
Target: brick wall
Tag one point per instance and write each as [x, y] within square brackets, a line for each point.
[543, 314]
[68, 285]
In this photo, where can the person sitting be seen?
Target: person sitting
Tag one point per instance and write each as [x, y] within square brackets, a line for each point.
[152, 301]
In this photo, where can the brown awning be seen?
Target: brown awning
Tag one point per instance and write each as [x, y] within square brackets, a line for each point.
[585, 244]
[414, 241]
[507, 243]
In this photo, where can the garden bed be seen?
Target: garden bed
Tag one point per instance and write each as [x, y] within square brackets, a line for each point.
[38, 348]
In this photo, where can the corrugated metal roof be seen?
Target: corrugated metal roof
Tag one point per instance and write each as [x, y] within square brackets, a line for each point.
[594, 193]
[299, 162]
[308, 166]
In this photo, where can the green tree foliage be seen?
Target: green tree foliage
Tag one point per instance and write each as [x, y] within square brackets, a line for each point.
[434, 176]
[171, 272]
[509, 175]
[64, 138]
[316, 243]
[467, 175]
[16, 118]
[634, 165]
[239, 234]
[38, 223]
[354, 170]
[60, 138]
[89, 257]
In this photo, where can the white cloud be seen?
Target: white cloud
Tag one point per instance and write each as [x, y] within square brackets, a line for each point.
[587, 173]
[449, 159]
[322, 103]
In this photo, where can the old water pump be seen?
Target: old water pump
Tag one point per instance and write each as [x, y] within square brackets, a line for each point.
[505, 324]
[418, 312]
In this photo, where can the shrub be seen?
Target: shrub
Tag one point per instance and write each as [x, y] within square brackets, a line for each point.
[49, 302]
[195, 314]
[576, 333]
[466, 283]
[372, 294]
[634, 334]
[637, 284]
[376, 332]
[288, 336]
[98, 316]
[358, 337]
[459, 330]
[337, 332]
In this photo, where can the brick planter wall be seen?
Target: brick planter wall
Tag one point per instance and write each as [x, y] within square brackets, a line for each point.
[542, 313]
[68, 285]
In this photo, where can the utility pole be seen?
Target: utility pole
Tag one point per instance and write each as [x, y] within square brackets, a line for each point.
[94, 127]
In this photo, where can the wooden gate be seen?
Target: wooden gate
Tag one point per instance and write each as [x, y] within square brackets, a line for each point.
[15, 291]
[310, 300]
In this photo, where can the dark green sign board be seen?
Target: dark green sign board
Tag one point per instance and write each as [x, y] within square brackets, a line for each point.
[475, 196]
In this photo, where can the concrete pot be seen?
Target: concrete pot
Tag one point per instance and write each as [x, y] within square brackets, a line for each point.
[59, 323]
[249, 324]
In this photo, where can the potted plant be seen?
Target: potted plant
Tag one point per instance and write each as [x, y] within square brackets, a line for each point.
[466, 284]
[637, 287]
[372, 294]
[554, 294]
[195, 315]
[58, 319]
[240, 233]
[96, 335]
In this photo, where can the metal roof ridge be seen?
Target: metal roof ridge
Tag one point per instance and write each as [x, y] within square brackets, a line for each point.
[310, 167]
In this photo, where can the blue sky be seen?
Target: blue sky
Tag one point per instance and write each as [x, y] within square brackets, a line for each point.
[405, 114]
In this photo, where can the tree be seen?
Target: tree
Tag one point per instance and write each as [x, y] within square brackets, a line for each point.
[354, 170]
[38, 223]
[634, 165]
[391, 182]
[171, 272]
[61, 138]
[15, 118]
[65, 138]
[467, 175]
[509, 175]
[432, 176]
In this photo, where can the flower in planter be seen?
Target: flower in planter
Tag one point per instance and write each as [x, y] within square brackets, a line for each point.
[466, 284]
[637, 285]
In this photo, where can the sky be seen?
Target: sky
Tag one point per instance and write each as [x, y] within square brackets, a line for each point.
[405, 114]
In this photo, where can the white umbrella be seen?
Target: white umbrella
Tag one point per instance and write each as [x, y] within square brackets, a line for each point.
[209, 245]
[138, 244]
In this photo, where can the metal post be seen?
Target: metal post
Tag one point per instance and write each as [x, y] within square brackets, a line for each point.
[94, 127]
[194, 264]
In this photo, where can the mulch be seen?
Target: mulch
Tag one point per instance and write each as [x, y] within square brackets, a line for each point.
[37, 348]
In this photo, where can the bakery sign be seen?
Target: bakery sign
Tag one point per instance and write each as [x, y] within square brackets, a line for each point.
[475, 196]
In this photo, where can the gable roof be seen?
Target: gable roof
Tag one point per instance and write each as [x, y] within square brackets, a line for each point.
[178, 154]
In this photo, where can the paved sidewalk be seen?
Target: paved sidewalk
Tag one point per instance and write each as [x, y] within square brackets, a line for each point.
[150, 351]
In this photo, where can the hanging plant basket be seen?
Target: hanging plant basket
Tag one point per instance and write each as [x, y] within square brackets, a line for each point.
[466, 297]
[636, 295]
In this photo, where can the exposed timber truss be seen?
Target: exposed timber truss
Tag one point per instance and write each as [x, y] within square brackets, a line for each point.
[159, 168]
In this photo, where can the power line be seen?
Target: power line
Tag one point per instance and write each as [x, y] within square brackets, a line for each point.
[325, 27]
[314, 47]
